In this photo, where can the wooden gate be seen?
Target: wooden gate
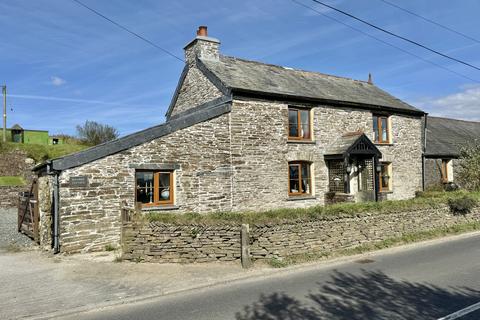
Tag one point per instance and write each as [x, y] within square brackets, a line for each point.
[28, 213]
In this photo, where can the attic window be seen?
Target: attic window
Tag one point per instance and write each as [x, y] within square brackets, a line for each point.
[299, 124]
[381, 129]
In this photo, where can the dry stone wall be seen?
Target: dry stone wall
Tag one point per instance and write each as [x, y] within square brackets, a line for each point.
[14, 163]
[167, 243]
[9, 196]
[172, 243]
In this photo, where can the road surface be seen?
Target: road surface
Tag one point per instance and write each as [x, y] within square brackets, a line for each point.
[423, 282]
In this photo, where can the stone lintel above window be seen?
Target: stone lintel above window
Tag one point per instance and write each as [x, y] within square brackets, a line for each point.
[155, 166]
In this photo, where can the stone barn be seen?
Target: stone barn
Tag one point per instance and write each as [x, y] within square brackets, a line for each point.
[445, 138]
[239, 135]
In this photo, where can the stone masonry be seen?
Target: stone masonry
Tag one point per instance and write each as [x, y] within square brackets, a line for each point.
[168, 243]
[237, 161]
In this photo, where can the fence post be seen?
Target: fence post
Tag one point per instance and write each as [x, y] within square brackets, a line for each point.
[245, 242]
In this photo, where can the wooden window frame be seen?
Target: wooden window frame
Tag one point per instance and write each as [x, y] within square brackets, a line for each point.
[156, 187]
[309, 179]
[381, 188]
[444, 170]
[380, 129]
[299, 124]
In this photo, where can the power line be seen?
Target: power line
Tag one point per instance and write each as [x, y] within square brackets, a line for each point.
[395, 35]
[387, 43]
[128, 30]
[431, 21]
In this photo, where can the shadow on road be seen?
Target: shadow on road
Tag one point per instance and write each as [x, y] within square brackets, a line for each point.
[370, 295]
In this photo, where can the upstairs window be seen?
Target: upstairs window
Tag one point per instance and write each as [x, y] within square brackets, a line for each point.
[300, 182]
[381, 129]
[299, 127]
[154, 187]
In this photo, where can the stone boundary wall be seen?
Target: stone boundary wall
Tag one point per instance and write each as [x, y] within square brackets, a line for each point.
[167, 243]
[9, 196]
[180, 243]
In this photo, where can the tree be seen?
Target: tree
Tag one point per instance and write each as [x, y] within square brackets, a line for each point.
[95, 133]
[468, 175]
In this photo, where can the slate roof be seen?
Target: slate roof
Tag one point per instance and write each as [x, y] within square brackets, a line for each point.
[255, 77]
[188, 118]
[445, 137]
[344, 144]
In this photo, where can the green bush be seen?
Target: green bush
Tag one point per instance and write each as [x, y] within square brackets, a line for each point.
[462, 205]
[468, 175]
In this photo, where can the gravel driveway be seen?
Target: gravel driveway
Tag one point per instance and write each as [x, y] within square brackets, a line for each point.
[9, 237]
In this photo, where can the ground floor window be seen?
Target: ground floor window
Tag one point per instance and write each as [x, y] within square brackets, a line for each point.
[154, 187]
[335, 176]
[385, 176]
[300, 181]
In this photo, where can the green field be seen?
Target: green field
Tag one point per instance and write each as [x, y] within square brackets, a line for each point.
[40, 152]
[11, 181]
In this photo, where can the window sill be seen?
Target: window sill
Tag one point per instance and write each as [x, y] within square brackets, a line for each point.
[301, 141]
[383, 144]
[160, 208]
[295, 198]
[386, 192]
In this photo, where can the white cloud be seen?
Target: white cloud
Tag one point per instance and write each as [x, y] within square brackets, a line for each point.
[461, 105]
[57, 81]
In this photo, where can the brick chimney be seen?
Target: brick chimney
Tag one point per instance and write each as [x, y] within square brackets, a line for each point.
[203, 47]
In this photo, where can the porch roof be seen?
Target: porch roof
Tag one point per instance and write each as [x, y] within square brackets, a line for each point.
[352, 143]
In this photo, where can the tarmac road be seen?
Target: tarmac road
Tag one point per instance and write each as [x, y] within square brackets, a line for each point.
[422, 282]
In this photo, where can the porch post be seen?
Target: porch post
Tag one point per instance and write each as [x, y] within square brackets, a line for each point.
[376, 177]
[346, 179]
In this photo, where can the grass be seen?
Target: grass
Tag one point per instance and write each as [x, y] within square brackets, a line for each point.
[110, 247]
[387, 243]
[11, 181]
[40, 152]
[424, 200]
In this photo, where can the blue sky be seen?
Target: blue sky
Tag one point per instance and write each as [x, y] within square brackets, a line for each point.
[64, 65]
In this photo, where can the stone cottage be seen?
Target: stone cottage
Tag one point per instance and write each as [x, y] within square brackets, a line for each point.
[445, 138]
[240, 135]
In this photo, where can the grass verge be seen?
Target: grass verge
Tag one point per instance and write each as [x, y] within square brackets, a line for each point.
[40, 152]
[387, 243]
[9, 181]
[425, 200]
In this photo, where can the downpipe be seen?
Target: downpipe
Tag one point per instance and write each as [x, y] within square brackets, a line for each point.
[56, 207]
[56, 214]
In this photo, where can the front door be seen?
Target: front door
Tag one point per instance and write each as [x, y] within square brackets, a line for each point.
[366, 182]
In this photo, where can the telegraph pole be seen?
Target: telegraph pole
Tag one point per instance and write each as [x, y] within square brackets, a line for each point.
[4, 91]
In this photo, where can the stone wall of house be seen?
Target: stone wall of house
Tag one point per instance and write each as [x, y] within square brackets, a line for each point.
[90, 216]
[45, 209]
[261, 152]
[405, 155]
[166, 243]
[195, 90]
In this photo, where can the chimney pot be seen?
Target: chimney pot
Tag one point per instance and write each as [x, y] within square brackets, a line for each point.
[370, 80]
[202, 31]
